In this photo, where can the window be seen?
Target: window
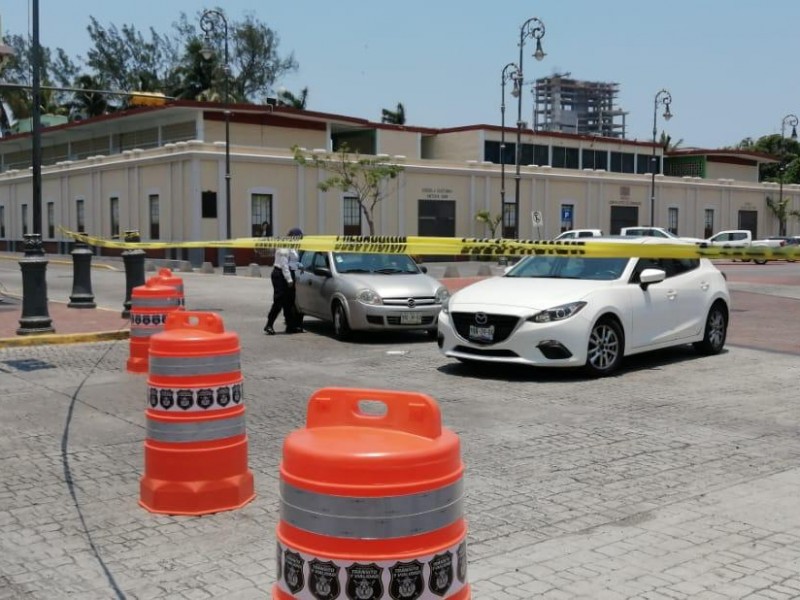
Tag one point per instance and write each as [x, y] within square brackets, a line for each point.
[2, 221]
[51, 220]
[436, 218]
[595, 159]
[567, 217]
[155, 230]
[352, 216]
[114, 213]
[672, 219]
[24, 219]
[622, 162]
[509, 220]
[260, 214]
[642, 163]
[541, 155]
[708, 223]
[209, 202]
[80, 215]
[565, 158]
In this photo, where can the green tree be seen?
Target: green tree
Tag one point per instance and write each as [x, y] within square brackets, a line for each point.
[780, 208]
[666, 142]
[287, 98]
[352, 173]
[491, 222]
[90, 103]
[395, 117]
[56, 70]
[122, 58]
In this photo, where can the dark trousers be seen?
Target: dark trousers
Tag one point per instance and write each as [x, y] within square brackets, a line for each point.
[282, 299]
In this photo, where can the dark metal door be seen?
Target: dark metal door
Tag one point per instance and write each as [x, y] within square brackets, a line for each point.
[623, 216]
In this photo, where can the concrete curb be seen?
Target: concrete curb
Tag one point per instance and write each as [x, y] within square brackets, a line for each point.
[64, 338]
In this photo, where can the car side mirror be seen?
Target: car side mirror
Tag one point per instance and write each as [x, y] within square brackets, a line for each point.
[423, 268]
[651, 276]
[322, 271]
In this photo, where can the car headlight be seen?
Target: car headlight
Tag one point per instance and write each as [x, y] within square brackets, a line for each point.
[369, 297]
[558, 313]
[441, 296]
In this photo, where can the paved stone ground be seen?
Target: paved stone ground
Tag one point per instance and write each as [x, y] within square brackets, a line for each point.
[678, 478]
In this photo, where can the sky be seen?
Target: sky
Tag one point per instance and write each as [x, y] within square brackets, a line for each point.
[729, 65]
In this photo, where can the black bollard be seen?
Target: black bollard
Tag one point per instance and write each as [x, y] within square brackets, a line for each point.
[35, 317]
[134, 270]
[82, 295]
[229, 266]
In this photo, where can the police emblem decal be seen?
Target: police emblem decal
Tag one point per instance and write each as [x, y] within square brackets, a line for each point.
[185, 399]
[461, 570]
[441, 577]
[406, 581]
[293, 571]
[166, 399]
[205, 398]
[364, 582]
[323, 580]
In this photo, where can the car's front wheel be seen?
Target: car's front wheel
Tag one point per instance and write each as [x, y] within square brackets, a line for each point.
[341, 328]
[606, 347]
[716, 331]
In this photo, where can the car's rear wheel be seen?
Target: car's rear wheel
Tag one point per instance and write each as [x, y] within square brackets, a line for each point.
[341, 328]
[606, 347]
[760, 261]
[716, 331]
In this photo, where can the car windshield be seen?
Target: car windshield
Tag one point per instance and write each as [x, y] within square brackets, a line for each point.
[362, 262]
[569, 267]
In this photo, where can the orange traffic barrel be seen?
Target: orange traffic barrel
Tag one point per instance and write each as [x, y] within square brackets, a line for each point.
[165, 276]
[195, 451]
[150, 305]
[371, 501]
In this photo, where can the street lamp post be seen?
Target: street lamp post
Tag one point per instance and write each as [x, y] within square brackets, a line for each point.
[35, 318]
[792, 121]
[665, 98]
[210, 22]
[510, 72]
[532, 28]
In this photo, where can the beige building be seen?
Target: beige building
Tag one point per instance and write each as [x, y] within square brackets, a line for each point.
[161, 170]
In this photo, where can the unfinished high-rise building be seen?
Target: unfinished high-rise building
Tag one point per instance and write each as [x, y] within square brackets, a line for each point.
[582, 107]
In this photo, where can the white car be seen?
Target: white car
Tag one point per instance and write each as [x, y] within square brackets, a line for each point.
[573, 311]
[574, 234]
[657, 232]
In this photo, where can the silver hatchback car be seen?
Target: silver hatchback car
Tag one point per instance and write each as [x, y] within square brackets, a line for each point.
[366, 291]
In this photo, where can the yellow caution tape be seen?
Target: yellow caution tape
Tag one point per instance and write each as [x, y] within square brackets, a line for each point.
[460, 246]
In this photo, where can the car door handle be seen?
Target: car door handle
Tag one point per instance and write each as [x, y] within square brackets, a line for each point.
[671, 294]
[704, 285]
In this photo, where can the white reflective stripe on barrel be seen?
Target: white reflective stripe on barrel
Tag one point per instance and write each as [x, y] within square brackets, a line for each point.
[194, 365]
[156, 302]
[197, 399]
[195, 431]
[372, 518]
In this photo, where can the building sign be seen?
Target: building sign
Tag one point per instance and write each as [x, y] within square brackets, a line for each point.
[430, 193]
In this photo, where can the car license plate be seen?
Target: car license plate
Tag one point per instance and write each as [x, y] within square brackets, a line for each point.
[481, 334]
[407, 318]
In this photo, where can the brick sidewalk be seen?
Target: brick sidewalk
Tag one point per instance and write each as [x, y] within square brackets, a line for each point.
[70, 324]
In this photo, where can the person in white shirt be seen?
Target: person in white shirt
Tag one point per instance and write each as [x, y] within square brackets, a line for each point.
[286, 263]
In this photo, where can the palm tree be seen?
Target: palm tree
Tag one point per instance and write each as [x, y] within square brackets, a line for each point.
[85, 105]
[666, 142]
[394, 117]
[287, 98]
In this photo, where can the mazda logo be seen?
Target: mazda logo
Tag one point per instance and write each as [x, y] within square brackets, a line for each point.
[481, 318]
[411, 303]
